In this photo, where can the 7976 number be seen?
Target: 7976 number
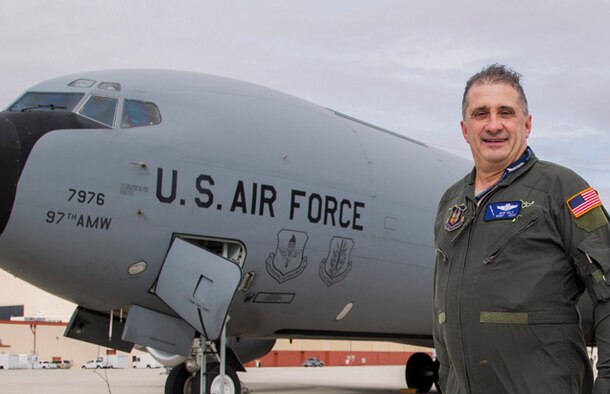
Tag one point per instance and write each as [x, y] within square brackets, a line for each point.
[86, 197]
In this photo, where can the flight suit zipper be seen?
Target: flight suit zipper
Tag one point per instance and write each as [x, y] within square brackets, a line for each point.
[471, 224]
[508, 240]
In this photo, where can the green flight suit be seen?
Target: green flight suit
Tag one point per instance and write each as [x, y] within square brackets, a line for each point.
[506, 284]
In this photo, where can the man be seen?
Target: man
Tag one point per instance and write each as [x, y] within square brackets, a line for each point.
[517, 241]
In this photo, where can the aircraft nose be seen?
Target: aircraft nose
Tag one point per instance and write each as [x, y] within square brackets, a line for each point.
[9, 168]
[19, 132]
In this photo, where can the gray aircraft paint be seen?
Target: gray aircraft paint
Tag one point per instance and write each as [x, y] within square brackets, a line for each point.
[348, 207]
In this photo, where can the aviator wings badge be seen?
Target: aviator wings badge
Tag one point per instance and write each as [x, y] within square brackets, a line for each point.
[288, 261]
[337, 265]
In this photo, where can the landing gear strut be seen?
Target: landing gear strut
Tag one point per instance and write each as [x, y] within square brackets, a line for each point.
[206, 370]
[422, 372]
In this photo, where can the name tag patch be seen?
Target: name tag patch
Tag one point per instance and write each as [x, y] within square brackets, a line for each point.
[502, 210]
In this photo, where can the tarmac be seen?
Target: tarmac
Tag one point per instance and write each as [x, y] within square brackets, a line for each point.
[293, 380]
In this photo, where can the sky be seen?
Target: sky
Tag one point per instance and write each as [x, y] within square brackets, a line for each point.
[399, 64]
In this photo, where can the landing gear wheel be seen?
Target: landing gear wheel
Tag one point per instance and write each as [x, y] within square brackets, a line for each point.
[176, 380]
[421, 372]
[232, 383]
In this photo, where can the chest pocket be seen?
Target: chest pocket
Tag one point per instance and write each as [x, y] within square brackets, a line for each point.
[506, 237]
[516, 273]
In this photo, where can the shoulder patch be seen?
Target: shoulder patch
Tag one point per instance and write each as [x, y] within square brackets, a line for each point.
[593, 220]
[583, 202]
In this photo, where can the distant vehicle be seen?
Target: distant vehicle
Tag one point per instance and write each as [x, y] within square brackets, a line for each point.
[145, 361]
[115, 361]
[62, 364]
[94, 364]
[110, 361]
[65, 364]
[313, 362]
[46, 365]
[59, 363]
[18, 361]
[9, 361]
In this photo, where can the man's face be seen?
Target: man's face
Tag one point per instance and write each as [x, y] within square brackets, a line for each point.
[495, 125]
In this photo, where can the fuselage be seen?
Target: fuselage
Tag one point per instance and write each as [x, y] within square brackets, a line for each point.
[329, 218]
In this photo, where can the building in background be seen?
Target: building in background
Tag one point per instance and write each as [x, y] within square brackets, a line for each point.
[33, 321]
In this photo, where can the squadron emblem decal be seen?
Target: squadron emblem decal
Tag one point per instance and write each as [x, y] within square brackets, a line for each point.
[288, 261]
[456, 219]
[337, 265]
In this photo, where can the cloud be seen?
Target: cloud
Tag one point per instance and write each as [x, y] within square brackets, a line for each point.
[399, 64]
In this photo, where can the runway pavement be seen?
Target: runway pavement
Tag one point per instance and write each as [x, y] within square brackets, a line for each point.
[296, 380]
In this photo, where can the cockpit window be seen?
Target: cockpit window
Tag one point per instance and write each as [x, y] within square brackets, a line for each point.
[82, 83]
[139, 113]
[44, 101]
[101, 109]
[112, 86]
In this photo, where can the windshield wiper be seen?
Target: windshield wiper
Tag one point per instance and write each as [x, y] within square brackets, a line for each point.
[52, 107]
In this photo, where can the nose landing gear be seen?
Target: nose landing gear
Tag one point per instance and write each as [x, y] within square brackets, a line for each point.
[205, 372]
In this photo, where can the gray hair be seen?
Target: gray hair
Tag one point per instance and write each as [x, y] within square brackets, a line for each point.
[495, 73]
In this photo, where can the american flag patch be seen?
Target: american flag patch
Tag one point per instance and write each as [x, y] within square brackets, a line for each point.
[583, 202]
